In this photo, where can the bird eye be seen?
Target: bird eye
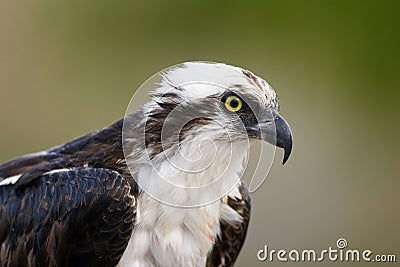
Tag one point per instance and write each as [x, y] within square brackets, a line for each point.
[233, 103]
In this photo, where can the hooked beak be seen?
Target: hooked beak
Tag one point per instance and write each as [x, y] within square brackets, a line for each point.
[275, 131]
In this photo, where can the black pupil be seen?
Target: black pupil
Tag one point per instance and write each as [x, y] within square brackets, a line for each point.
[234, 103]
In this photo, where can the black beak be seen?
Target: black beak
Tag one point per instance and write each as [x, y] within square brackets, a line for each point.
[276, 131]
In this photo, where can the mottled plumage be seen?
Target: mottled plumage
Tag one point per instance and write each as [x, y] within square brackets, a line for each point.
[70, 207]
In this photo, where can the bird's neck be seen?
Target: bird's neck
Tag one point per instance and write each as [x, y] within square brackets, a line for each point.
[194, 174]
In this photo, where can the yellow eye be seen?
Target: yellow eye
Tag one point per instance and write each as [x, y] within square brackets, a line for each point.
[233, 103]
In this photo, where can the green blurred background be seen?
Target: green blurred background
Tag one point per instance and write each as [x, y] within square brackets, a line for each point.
[70, 67]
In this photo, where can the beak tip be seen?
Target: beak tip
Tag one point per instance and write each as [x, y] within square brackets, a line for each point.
[286, 156]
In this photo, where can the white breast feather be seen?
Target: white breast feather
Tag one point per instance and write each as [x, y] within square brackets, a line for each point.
[171, 236]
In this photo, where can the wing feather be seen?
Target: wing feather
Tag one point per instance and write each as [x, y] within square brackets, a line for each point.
[77, 217]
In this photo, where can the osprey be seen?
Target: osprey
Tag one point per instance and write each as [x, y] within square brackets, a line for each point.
[158, 188]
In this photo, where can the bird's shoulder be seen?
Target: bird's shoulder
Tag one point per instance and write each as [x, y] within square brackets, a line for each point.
[98, 149]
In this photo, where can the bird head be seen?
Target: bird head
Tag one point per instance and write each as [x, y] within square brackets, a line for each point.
[217, 102]
[188, 145]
